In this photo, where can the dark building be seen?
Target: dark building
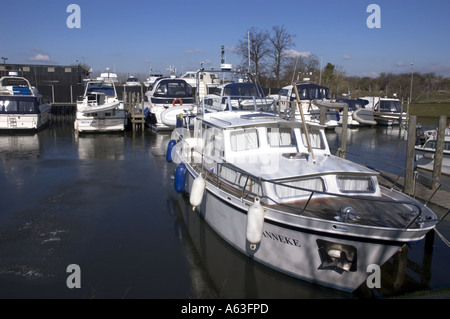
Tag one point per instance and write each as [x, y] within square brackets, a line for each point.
[40, 75]
[60, 83]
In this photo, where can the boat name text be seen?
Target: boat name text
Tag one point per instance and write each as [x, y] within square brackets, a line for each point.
[282, 239]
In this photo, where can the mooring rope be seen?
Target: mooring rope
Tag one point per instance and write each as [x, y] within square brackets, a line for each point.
[442, 237]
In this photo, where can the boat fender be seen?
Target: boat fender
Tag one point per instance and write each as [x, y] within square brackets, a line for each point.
[180, 178]
[255, 223]
[197, 191]
[338, 116]
[169, 152]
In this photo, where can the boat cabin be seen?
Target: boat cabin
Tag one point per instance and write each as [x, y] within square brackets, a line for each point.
[275, 159]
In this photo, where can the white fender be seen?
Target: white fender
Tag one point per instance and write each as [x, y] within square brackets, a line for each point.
[255, 223]
[197, 191]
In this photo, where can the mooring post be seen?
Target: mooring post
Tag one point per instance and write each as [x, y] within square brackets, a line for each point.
[343, 147]
[439, 153]
[410, 152]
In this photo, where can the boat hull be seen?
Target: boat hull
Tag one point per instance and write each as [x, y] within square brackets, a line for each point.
[299, 252]
[101, 122]
[32, 121]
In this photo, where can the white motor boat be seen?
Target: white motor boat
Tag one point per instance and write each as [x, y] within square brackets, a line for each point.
[271, 188]
[202, 81]
[424, 153]
[237, 96]
[132, 81]
[21, 105]
[100, 110]
[312, 98]
[165, 101]
[358, 114]
[387, 111]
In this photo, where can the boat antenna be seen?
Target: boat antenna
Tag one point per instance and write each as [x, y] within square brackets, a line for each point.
[248, 47]
[305, 128]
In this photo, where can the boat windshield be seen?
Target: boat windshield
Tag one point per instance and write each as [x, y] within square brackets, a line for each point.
[390, 106]
[173, 89]
[108, 90]
[10, 104]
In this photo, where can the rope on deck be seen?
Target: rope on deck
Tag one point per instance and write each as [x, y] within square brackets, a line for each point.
[442, 237]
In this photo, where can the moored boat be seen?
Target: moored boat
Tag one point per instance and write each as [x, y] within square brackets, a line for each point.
[358, 114]
[387, 111]
[99, 109]
[425, 153]
[312, 98]
[21, 105]
[271, 188]
[162, 98]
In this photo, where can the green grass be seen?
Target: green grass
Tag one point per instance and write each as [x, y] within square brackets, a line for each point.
[429, 110]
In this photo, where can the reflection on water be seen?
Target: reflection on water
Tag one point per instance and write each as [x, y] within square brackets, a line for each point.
[106, 202]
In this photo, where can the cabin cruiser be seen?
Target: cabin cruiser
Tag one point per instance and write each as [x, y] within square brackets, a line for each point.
[312, 97]
[22, 107]
[387, 111]
[358, 114]
[237, 96]
[166, 99]
[99, 109]
[271, 188]
[202, 81]
[425, 152]
[132, 81]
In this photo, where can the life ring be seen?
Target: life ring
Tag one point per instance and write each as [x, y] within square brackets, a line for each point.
[177, 100]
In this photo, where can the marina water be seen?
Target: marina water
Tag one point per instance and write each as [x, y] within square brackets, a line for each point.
[106, 203]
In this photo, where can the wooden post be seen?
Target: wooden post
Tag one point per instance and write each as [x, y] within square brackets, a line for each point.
[439, 153]
[323, 115]
[343, 147]
[410, 153]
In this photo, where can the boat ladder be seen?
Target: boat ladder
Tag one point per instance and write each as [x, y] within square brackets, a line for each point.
[12, 121]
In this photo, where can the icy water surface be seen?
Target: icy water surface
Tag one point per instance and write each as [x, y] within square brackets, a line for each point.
[105, 202]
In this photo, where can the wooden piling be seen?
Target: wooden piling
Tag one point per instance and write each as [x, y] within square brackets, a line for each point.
[343, 147]
[410, 154]
[439, 153]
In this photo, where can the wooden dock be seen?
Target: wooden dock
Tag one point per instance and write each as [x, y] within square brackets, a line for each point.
[439, 197]
[134, 104]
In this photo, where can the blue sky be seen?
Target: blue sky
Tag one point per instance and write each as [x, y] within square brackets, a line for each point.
[136, 36]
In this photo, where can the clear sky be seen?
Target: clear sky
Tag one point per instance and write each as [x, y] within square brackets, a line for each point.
[136, 36]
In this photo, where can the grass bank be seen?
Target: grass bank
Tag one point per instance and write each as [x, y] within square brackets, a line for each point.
[429, 110]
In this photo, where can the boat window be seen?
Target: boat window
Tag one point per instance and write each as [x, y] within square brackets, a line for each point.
[280, 136]
[26, 106]
[213, 142]
[174, 89]
[299, 188]
[355, 184]
[315, 139]
[447, 146]
[390, 106]
[8, 106]
[228, 174]
[283, 92]
[250, 184]
[243, 140]
[106, 89]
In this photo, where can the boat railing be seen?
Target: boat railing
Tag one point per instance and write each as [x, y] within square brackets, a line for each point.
[425, 187]
[248, 186]
[239, 103]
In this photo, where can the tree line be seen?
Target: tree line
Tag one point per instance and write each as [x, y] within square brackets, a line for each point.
[271, 56]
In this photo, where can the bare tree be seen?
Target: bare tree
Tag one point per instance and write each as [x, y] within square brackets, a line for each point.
[281, 41]
[256, 43]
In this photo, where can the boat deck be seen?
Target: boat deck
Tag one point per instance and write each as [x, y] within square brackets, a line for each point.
[365, 210]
